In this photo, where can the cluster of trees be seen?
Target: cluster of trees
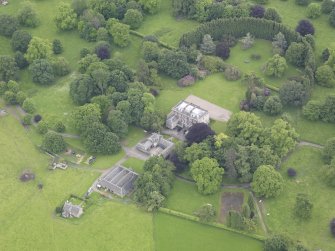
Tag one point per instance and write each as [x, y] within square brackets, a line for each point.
[282, 243]
[155, 184]
[246, 147]
[110, 101]
[111, 19]
[207, 10]
[294, 92]
[38, 54]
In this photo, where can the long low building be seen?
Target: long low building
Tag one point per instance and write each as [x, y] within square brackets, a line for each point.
[186, 114]
[119, 180]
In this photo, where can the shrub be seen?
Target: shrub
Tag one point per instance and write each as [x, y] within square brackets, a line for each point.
[222, 50]
[257, 11]
[102, 34]
[8, 25]
[312, 110]
[207, 46]
[305, 27]
[59, 127]
[325, 55]
[53, 143]
[276, 243]
[61, 66]
[324, 76]
[20, 40]
[57, 46]
[198, 132]
[332, 18]
[327, 6]
[247, 41]
[212, 64]
[133, 18]
[313, 10]
[42, 127]
[84, 52]
[293, 93]
[20, 97]
[291, 172]
[235, 220]
[27, 119]
[273, 106]
[302, 2]
[296, 54]
[206, 213]
[267, 182]
[332, 227]
[275, 66]
[229, 40]
[37, 118]
[272, 14]
[28, 106]
[232, 73]
[328, 152]
[20, 60]
[102, 50]
[42, 72]
[10, 98]
[27, 16]
[303, 206]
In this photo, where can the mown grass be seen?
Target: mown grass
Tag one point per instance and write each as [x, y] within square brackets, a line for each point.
[134, 164]
[314, 232]
[27, 213]
[185, 198]
[172, 233]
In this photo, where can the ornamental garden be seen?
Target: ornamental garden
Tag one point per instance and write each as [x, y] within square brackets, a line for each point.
[238, 95]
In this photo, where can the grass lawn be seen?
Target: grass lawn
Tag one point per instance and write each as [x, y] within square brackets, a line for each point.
[172, 233]
[185, 198]
[314, 232]
[214, 88]
[292, 13]
[135, 164]
[26, 214]
[164, 26]
[242, 60]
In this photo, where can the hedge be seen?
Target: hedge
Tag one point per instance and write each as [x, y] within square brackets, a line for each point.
[140, 35]
[213, 224]
[258, 27]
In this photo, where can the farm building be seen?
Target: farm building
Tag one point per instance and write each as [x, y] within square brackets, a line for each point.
[70, 210]
[155, 145]
[119, 180]
[186, 114]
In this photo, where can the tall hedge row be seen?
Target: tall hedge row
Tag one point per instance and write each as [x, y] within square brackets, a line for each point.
[258, 27]
[239, 27]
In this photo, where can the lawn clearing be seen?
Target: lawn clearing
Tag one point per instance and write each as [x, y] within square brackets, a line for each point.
[134, 164]
[27, 213]
[185, 198]
[314, 232]
[172, 233]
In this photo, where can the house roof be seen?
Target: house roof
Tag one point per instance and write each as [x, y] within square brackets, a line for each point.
[71, 210]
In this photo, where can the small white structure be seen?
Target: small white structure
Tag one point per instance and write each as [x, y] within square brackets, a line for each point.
[155, 145]
[62, 166]
[4, 2]
[186, 114]
[70, 210]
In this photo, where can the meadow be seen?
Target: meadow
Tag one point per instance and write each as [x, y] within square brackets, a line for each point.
[172, 233]
[314, 232]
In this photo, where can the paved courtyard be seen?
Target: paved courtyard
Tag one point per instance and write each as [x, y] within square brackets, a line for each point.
[215, 112]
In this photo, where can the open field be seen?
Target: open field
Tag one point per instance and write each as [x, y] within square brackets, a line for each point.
[314, 232]
[27, 214]
[172, 233]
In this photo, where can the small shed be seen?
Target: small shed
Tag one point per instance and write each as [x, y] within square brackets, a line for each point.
[70, 210]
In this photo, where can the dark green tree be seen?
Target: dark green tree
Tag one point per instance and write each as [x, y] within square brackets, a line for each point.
[42, 72]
